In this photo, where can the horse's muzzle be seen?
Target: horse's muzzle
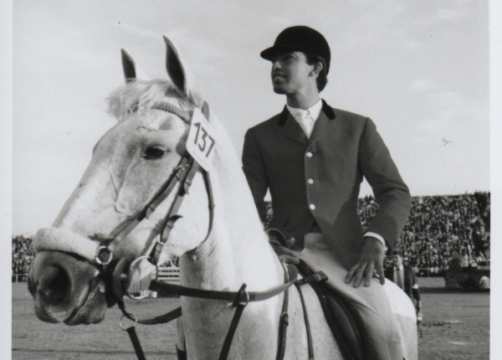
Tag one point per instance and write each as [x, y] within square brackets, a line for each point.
[66, 288]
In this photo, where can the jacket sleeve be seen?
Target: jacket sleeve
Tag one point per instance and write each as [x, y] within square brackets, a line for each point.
[254, 169]
[391, 193]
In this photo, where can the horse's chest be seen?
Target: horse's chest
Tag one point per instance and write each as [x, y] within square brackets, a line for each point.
[206, 329]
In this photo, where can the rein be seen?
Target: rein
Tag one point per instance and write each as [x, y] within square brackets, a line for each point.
[237, 299]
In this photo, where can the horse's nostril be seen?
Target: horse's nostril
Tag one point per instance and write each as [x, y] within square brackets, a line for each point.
[54, 286]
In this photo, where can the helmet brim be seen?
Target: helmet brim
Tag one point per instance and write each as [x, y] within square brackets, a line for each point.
[272, 52]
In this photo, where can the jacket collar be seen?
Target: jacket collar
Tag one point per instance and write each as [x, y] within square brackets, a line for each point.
[292, 129]
[326, 109]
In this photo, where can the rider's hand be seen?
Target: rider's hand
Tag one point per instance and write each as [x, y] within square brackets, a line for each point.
[141, 274]
[283, 246]
[370, 263]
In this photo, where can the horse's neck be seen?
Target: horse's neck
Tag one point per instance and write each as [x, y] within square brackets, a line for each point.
[237, 251]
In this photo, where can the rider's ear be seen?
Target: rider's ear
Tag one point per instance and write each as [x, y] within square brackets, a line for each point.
[318, 66]
[174, 67]
[128, 66]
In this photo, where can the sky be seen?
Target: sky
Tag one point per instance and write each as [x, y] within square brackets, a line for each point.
[419, 69]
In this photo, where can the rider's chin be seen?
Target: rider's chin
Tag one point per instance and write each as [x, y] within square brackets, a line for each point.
[279, 88]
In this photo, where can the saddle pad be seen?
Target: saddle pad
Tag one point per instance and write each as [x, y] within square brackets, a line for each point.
[343, 321]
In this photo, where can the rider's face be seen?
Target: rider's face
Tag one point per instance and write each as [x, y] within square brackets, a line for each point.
[291, 73]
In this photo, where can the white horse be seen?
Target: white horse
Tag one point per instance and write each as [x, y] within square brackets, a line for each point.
[129, 164]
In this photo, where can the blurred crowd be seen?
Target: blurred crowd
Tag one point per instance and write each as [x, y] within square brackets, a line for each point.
[22, 255]
[442, 232]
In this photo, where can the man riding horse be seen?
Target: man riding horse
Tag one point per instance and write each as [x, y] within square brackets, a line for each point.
[312, 158]
[147, 193]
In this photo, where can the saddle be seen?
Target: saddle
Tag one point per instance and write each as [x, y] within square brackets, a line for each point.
[344, 321]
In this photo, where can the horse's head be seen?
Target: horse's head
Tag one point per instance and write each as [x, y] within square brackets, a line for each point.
[129, 165]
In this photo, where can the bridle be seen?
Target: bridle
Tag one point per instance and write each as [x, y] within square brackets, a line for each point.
[181, 176]
[113, 272]
[181, 179]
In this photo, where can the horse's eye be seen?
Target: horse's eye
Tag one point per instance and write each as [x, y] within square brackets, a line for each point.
[154, 152]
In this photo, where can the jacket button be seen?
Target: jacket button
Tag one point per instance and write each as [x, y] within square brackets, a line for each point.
[312, 207]
[309, 154]
[310, 181]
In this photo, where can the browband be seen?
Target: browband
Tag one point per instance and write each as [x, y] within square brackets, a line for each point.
[168, 107]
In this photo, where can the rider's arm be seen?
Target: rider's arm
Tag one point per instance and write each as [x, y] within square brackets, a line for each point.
[254, 169]
[391, 193]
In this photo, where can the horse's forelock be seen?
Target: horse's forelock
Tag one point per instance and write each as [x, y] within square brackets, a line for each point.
[141, 95]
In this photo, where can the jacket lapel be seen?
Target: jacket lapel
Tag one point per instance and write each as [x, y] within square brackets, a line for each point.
[290, 128]
[319, 126]
[323, 123]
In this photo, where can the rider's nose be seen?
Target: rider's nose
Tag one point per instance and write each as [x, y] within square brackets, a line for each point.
[276, 64]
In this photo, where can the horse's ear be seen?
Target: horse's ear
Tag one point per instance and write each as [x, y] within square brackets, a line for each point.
[174, 67]
[128, 66]
[205, 110]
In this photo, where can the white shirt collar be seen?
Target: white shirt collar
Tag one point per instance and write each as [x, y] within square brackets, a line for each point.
[312, 111]
[306, 118]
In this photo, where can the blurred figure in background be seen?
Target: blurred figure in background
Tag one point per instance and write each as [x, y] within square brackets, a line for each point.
[411, 287]
[400, 271]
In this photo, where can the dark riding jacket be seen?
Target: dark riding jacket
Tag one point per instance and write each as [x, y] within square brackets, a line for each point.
[314, 183]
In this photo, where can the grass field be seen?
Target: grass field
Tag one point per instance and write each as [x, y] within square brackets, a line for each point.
[456, 326]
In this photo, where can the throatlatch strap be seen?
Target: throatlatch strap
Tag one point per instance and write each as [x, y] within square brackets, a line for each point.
[210, 202]
[172, 214]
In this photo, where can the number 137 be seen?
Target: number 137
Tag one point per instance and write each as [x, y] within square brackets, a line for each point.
[202, 139]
